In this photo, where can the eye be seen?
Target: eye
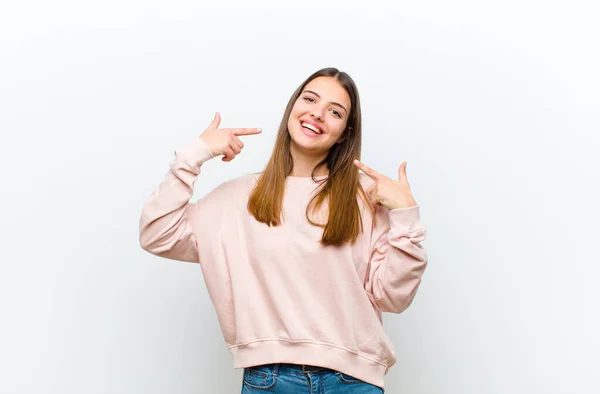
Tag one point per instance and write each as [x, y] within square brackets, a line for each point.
[336, 113]
[309, 99]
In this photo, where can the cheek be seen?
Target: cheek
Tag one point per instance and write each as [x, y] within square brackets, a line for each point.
[337, 127]
[299, 108]
[294, 114]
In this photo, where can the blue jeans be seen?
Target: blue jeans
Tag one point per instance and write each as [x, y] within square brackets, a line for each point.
[297, 379]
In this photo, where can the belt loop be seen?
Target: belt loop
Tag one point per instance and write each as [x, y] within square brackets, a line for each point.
[276, 369]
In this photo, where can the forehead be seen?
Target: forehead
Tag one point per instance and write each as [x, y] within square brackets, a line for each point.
[330, 90]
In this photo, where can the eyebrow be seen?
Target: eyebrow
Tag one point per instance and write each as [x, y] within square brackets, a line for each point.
[333, 102]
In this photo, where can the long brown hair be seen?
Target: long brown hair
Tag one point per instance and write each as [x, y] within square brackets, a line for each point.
[341, 186]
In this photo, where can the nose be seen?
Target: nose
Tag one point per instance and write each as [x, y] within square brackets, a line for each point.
[317, 112]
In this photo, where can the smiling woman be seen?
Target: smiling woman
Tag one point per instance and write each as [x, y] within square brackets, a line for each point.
[302, 259]
[320, 113]
[319, 135]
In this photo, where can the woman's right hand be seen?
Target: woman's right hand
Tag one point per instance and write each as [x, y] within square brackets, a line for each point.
[225, 141]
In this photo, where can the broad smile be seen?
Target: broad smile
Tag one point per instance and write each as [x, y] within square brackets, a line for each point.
[311, 128]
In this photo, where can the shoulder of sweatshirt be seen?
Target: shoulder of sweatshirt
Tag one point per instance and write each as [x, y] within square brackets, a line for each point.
[234, 192]
[240, 185]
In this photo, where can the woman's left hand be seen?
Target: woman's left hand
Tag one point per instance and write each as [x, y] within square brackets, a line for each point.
[387, 192]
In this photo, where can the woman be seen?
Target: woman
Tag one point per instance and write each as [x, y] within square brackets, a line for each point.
[300, 260]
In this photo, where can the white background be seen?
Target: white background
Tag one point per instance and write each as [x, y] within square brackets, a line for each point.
[494, 105]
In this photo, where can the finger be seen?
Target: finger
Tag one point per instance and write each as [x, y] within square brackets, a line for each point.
[237, 141]
[228, 154]
[216, 121]
[402, 171]
[372, 193]
[371, 173]
[371, 188]
[245, 131]
[402, 177]
[235, 147]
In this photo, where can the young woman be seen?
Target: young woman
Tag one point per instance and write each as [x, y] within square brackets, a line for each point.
[300, 260]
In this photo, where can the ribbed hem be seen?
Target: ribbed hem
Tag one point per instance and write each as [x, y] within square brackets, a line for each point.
[268, 351]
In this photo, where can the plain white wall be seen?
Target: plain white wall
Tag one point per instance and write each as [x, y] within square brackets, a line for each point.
[494, 105]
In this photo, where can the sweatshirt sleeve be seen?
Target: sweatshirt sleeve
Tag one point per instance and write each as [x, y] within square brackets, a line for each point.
[166, 220]
[397, 260]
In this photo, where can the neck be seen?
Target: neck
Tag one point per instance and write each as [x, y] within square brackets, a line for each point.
[305, 163]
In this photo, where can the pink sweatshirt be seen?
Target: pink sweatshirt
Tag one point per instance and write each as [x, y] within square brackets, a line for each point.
[279, 295]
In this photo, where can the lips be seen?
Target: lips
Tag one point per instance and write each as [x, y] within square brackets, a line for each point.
[311, 127]
[309, 133]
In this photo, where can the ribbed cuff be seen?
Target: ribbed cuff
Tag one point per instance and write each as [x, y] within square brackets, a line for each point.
[195, 153]
[405, 219]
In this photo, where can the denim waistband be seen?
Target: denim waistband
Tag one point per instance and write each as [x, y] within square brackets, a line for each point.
[303, 367]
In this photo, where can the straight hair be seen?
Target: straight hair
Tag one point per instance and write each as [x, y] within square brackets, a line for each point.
[340, 189]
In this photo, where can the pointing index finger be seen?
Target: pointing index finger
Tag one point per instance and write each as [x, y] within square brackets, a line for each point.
[371, 173]
[246, 131]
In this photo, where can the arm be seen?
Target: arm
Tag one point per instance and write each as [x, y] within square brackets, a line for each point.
[165, 224]
[397, 259]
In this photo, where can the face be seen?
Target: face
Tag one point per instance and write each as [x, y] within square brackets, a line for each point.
[319, 116]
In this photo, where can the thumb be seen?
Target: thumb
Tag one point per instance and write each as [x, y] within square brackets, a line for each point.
[402, 172]
[216, 121]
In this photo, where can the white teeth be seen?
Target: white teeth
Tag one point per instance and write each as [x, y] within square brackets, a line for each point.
[311, 127]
